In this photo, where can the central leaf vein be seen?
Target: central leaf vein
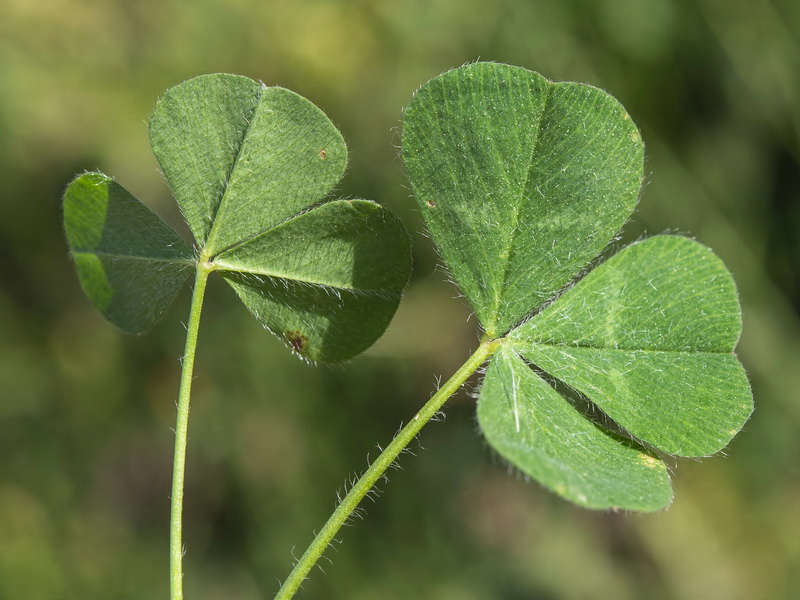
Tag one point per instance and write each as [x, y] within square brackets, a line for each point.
[177, 260]
[256, 273]
[521, 198]
[522, 347]
[248, 121]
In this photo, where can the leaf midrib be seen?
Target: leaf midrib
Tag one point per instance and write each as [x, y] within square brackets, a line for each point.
[222, 268]
[521, 200]
[522, 346]
[248, 119]
[184, 261]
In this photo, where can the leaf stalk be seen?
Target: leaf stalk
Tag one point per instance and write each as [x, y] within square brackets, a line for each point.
[376, 470]
[181, 434]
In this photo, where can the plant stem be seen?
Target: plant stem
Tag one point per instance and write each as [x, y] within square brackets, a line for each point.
[379, 467]
[181, 430]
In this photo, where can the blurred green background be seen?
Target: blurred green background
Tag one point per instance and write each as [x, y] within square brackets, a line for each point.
[86, 412]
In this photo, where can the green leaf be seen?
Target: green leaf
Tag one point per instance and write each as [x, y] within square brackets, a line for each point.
[325, 278]
[534, 428]
[241, 157]
[521, 181]
[324, 281]
[250, 167]
[648, 336]
[129, 262]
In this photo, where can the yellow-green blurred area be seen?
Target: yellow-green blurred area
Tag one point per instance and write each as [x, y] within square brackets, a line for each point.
[86, 412]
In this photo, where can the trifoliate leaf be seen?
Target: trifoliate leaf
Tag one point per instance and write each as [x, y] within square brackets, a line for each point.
[250, 167]
[521, 181]
[533, 427]
[130, 263]
[648, 336]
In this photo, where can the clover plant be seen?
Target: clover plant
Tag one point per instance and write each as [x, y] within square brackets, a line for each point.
[597, 370]
[250, 167]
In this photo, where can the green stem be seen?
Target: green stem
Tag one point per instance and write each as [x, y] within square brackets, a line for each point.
[379, 467]
[181, 429]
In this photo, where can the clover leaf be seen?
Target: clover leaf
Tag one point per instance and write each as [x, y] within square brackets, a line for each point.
[250, 167]
[532, 426]
[523, 182]
[648, 336]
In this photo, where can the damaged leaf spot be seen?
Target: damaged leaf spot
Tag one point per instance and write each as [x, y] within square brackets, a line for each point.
[297, 341]
[323, 154]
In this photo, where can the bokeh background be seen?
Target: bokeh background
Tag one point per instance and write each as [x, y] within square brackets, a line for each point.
[86, 412]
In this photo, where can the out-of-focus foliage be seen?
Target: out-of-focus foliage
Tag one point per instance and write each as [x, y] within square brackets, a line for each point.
[85, 412]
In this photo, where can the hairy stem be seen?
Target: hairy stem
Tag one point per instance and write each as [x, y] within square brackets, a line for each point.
[379, 467]
[181, 430]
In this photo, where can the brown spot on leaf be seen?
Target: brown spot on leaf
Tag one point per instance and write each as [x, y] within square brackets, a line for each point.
[431, 203]
[297, 341]
[323, 154]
